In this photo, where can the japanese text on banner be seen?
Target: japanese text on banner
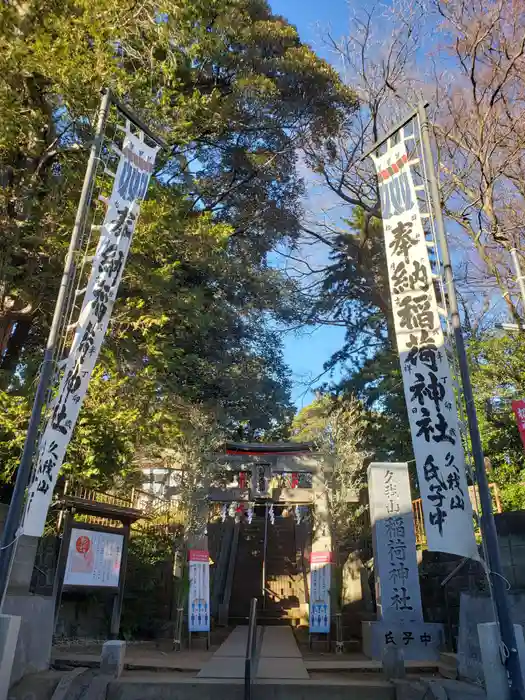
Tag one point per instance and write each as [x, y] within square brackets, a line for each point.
[199, 595]
[130, 186]
[425, 368]
[320, 582]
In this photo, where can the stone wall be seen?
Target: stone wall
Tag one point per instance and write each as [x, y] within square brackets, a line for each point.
[441, 603]
[511, 535]
[441, 599]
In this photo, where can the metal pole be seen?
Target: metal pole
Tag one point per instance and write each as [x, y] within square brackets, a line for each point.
[116, 613]
[520, 278]
[58, 584]
[14, 515]
[488, 526]
[264, 557]
[134, 119]
[397, 127]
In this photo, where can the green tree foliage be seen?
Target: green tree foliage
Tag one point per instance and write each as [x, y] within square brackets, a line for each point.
[355, 292]
[236, 93]
[337, 428]
[355, 288]
[498, 372]
[311, 423]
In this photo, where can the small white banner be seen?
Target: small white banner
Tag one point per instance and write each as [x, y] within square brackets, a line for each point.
[429, 392]
[199, 597]
[130, 186]
[320, 582]
[94, 559]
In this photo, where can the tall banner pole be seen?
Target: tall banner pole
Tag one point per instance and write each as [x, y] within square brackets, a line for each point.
[12, 523]
[520, 277]
[425, 368]
[488, 526]
[131, 180]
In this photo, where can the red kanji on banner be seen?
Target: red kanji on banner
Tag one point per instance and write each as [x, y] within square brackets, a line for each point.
[519, 411]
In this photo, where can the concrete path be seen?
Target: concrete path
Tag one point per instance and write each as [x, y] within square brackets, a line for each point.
[279, 642]
[146, 657]
[279, 656]
[136, 659]
[228, 660]
[235, 643]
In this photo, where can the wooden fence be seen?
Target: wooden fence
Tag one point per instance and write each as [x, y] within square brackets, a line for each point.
[159, 513]
[162, 514]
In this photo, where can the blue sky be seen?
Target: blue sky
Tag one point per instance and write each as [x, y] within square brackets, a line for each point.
[306, 351]
[311, 16]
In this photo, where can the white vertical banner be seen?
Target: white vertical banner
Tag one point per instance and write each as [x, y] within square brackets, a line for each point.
[131, 183]
[320, 582]
[199, 595]
[426, 373]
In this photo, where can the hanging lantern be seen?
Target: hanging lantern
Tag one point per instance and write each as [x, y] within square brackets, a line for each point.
[232, 509]
[242, 480]
[295, 480]
[224, 512]
[298, 514]
[271, 514]
[249, 514]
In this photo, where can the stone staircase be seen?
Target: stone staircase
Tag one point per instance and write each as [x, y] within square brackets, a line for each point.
[285, 583]
[247, 578]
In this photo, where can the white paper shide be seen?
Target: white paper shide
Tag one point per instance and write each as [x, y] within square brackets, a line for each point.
[425, 368]
[131, 183]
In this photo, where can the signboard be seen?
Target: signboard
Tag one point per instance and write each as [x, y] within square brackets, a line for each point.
[519, 411]
[199, 595]
[418, 641]
[320, 581]
[131, 182]
[94, 559]
[429, 391]
[398, 594]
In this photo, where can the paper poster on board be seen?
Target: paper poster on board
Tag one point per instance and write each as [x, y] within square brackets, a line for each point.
[94, 559]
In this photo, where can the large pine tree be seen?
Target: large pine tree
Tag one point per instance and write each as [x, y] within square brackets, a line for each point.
[234, 92]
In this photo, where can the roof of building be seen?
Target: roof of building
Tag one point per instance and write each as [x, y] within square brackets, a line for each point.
[261, 448]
